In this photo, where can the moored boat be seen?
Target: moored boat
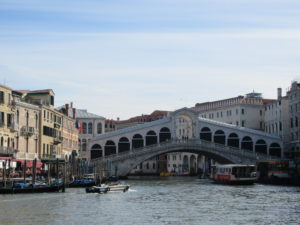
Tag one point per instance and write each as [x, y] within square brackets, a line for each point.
[234, 174]
[23, 188]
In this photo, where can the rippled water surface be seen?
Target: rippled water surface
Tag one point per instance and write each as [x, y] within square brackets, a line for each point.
[158, 201]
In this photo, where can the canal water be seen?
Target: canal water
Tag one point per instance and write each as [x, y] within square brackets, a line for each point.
[168, 200]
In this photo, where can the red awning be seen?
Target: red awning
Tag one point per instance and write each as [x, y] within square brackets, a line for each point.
[29, 163]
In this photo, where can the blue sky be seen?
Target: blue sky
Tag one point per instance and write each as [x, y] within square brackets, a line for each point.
[122, 58]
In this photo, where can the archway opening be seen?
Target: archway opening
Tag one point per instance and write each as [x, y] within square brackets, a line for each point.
[247, 143]
[137, 141]
[219, 137]
[206, 134]
[96, 151]
[275, 150]
[151, 138]
[261, 147]
[233, 140]
[110, 148]
[124, 145]
[164, 135]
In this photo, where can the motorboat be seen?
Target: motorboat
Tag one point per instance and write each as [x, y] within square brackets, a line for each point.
[234, 174]
[108, 187]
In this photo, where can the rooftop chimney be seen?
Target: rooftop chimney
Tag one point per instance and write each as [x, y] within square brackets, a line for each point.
[74, 113]
[279, 93]
[67, 109]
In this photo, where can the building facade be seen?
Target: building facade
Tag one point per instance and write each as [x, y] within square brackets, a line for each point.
[91, 125]
[8, 128]
[70, 132]
[244, 111]
[27, 118]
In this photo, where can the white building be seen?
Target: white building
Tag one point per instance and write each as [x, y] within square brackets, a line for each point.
[277, 117]
[182, 163]
[242, 111]
[91, 125]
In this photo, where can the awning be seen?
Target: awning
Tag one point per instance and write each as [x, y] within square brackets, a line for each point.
[29, 163]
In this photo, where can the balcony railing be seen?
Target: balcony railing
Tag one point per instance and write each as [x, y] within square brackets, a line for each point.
[7, 150]
[27, 131]
[58, 140]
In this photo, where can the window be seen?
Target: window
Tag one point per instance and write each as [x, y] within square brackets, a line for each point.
[84, 128]
[237, 112]
[1, 97]
[99, 128]
[260, 112]
[243, 111]
[243, 123]
[52, 100]
[9, 120]
[90, 128]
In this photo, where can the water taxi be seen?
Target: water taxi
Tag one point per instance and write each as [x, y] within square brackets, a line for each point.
[234, 174]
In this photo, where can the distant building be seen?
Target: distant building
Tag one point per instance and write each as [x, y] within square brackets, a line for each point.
[241, 111]
[277, 117]
[91, 125]
[155, 115]
[293, 96]
[70, 133]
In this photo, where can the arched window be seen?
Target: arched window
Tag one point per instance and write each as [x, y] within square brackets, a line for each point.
[27, 119]
[36, 121]
[90, 128]
[99, 128]
[84, 130]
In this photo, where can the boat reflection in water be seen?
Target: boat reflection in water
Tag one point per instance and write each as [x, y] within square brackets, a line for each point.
[234, 174]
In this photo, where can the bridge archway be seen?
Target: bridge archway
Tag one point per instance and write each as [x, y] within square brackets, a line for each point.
[219, 137]
[261, 147]
[247, 143]
[206, 134]
[123, 145]
[233, 140]
[275, 150]
[137, 141]
[164, 134]
[96, 151]
[151, 138]
[110, 148]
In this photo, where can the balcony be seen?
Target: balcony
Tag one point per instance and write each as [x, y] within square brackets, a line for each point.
[7, 151]
[14, 127]
[58, 140]
[27, 131]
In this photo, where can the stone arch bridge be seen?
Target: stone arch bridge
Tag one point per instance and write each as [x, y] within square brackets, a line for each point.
[183, 130]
